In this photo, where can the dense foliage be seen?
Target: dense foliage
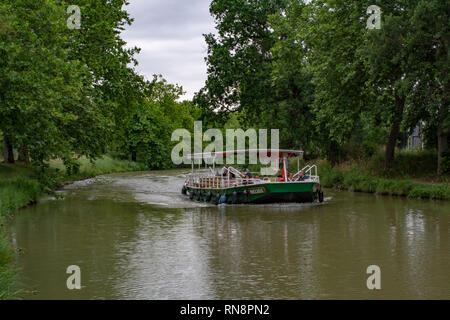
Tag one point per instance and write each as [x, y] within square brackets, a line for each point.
[333, 86]
[68, 92]
[313, 69]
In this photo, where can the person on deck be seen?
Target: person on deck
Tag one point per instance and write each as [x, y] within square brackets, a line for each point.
[301, 176]
[246, 176]
[283, 178]
[225, 171]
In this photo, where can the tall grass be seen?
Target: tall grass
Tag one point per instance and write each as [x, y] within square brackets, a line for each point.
[407, 164]
[8, 273]
[18, 192]
[88, 168]
[354, 179]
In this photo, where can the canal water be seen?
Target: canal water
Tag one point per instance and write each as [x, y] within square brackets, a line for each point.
[134, 236]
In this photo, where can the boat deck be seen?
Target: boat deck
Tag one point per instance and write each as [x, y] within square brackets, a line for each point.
[219, 182]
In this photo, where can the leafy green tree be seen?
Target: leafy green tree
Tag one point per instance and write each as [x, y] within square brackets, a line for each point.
[331, 38]
[428, 45]
[239, 58]
[291, 81]
[39, 85]
[389, 67]
[64, 92]
[147, 131]
[114, 87]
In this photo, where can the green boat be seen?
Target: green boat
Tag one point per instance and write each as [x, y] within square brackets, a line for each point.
[232, 186]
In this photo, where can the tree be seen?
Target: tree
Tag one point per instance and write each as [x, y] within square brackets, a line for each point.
[114, 87]
[147, 131]
[63, 91]
[293, 91]
[389, 66]
[428, 45]
[38, 83]
[239, 58]
[332, 38]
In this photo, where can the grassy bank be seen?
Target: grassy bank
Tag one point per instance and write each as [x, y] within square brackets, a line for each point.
[20, 185]
[413, 176]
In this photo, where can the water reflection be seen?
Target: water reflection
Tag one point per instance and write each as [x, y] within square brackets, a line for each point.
[135, 237]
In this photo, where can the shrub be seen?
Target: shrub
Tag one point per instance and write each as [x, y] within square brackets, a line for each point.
[368, 184]
[352, 179]
[407, 163]
[7, 272]
[400, 188]
[441, 192]
[337, 177]
[368, 148]
[383, 186]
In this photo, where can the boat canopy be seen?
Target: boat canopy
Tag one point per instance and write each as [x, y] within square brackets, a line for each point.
[282, 153]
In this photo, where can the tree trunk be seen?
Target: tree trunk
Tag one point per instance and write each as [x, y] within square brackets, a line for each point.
[5, 151]
[8, 154]
[23, 155]
[442, 132]
[442, 147]
[443, 115]
[393, 135]
[333, 154]
[133, 155]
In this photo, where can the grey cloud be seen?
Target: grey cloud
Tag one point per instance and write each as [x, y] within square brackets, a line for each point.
[170, 18]
[169, 32]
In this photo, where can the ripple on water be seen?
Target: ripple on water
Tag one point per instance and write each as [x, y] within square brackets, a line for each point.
[136, 237]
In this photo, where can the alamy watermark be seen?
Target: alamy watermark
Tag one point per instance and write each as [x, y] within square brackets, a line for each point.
[235, 140]
[374, 281]
[374, 20]
[74, 21]
[74, 280]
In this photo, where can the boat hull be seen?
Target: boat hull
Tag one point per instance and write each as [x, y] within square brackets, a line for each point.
[258, 193]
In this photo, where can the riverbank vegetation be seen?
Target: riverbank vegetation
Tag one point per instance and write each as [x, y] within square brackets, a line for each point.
[21, 184]
[333, 87]
[356, 178]
[74, 92]
[373, 102]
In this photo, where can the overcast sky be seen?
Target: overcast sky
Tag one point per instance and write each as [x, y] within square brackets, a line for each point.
[170, 35]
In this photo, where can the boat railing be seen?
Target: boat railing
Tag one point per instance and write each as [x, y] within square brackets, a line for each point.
[308, 171]
[213, 181]
[234, 171]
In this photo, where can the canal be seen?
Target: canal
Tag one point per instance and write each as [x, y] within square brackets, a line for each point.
[134, 236]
